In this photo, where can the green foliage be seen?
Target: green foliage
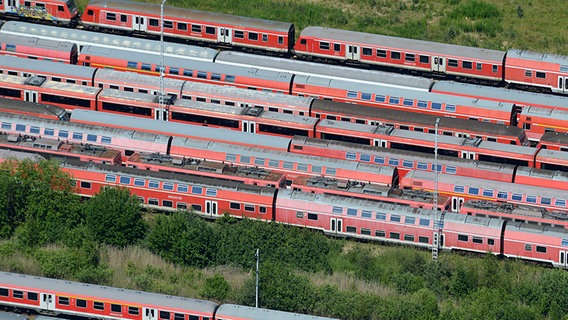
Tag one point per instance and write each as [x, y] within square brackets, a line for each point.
[114, 217]
[183, 238]
[216, 287]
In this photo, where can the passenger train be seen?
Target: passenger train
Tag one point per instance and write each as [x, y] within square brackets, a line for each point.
[514, 67]
[82, 300]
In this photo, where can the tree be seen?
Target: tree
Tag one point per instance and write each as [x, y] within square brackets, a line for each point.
[114, 217]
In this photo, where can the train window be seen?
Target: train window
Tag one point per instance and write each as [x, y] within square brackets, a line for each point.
[214, 76]
[196, 28]
[202, 74]
[423, 239]
[231, 157]
[451, 170]
[139, 182]
[365, 157]
[560, 203]
[541, 249]
[393, 162]
[168, 186]
[154, 22]
[337, 210]
[264, 37]
[395, 55]
[394, 100]
[517, 197]
[164, 314]
[299, 214]
[528, 247]
[302, 167]
[433, 167]
[424, 59]
[69, 81]
[351, 229]
[180, 187]
[316, 169]
[125, 180]
[394, 235]
[253, 36]
[467, 65]
[168, 24]
[154, 202]
[167, 203]
[380, 160]
[97, 305]
[196, 190]
[495, 68]
[336, 47]
[154, 184]
[262, 209]
[463, 237]
[20, 294]
[380, 98]
[528, 73]
[110, 178]
[123, 18]
[246, 159]
[330, 171]
[541, 75]
[22, 127]
[410, 57]
[364, 231]
[182, 26]
[209, 30]
[531, 199]
[460, 189]
[477, 240]
[407, 163]
[436, 106]
[491, 242]
[239, 34]
[502, 195]
[408, 102]
[273, 163]
[352, 94]
[381, 216]
[380, 233]
[146, 67]
[133, 311]
[179, 316]
[422, 166]
[196, 207]
[366, 214]
[409, 237]
[487, 193]
[424, 222]
[324, 45]
[452, 63]
[259, 161]
[473, 191]
[211, 192]
[85, 185]
[350, 156]
[312, 216]
[80, 303]
[288, 165]
[32, 296]
[544, 200]
[395, 218]
[409, 220]
[367, 51]
[381, 53]
[115, 308]
[111, 16]
[56, 79]
[280, 40]
[351, 212]
[479, 66]
[249, 207]
[365, 96]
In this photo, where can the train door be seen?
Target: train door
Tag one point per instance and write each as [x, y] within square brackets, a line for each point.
[336, 225]
[468, 155]
[562, 84]
[211, 207]
[149, 314]
[352, 52]
[563, 259]
[249, 126]
[139, 23]
[439, 64]
[47, 301]
[30, 96]
[225, 36]
[161, 114]
[457, 203]
[380, 143]
[462, 135]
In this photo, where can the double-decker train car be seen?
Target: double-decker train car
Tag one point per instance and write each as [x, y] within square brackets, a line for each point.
[61, 12]
[38, 49]
[201, 26]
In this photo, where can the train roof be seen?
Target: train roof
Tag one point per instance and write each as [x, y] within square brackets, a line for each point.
[553, 154]
[32, 108]
[19, 155]
[467, 220]
[487, 184]
[110, 293]
[41, 67]
[422, 119]
[559, 234]
[207, 17]
[419, 46]
[549, 175]
[84, 128]
[540, 57]
[303, 68]
[555, 137]
[248, 151]
[83, 38]
[403, 154]
[233, 311]
[186, 63]
[308, 200]
[181, 129]
[522, 210]
[522, 97]
[554, 114]
[137, 80]
[27, 40]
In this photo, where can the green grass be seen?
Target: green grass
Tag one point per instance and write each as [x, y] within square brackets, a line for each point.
[537, 25]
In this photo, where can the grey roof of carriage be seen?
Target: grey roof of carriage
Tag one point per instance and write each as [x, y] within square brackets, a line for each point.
[538, 56]
[554, 114]
[244, 312]
[549, 175]
[36, 42]
[41, 67]
[523, 97]
[116, 294]
[82, 38]
[172, 128]
[213, 17]
[555, 137]
[425, 47]
[304, 69]
[19, 155]
[556, 154]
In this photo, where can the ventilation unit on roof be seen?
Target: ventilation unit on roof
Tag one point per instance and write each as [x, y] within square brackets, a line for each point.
[252, 111]
[167, 99]
[35, 81]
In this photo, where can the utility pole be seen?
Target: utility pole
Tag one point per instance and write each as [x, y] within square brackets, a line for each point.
[257, 255]
[438, 222]
[162, 67]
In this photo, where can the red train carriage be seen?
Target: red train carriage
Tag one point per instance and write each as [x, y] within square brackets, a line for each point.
[415, 55]
[207, 196]
[546, 71]
[40, 90]
[538, 121]
[190, 24]
[543, 178]
[38, 49]
[474, 234]
[58, 72]
[33, 109]
[552, 160]
[399, 119]
[554, 141]
[62, 12]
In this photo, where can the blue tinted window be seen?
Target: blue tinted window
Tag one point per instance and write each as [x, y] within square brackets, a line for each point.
[196, 190]
[106, 140]
[502, 195]
[337, 210]
[168, 186]
[330, 171]
[365, 96]
[380, 160]
[425, 222]
[394, 100]
[531, 199]
[77, 136]
[153, 184]
[436, 106]
[20, 127]
[474, 191]
[395, 218]
[393, 162]
[422, 166]
[202, 74]
[316, 169]
[433, 167]
[216, 77]
[488, 193]
[174, 71]
[110, 178]
[229, 78]
[351, 212]
[517, 197]
[450, 170]
[451, 108]
[545, 200]
[48, 132]
[139, 182]
[381, 216]
[91, 137]
[365, 157]
[188, 73]
[132, 65]
[351, 156]
[245, 159]
[422, 104]
[366, 214]
[380, 98]
[560, 203]
[34, 129]
[408, 163]
[6, 125]
[211, 192]
[231, 157]
[63, 134]
[182, 188]
[460, 189]
[125, 180]
[146, 67]
[409, 220]
[408, 102]
[273, 163]
[352, 94]
[288, 165]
